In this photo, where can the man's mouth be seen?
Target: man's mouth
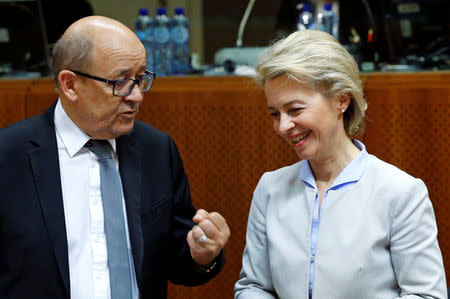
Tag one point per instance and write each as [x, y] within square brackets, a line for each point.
[129, 112]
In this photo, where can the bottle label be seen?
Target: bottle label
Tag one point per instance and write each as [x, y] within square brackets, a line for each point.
[149, 34]
[161, 35]
[140, 34]
[180, 34]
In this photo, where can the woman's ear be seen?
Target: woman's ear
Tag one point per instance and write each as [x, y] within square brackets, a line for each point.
[343, 102]
[67, 86]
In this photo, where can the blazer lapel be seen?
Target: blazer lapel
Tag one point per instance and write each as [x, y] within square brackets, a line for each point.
[130, 173]
[45, 166]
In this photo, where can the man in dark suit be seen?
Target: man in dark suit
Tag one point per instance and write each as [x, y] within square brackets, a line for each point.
[55, 236]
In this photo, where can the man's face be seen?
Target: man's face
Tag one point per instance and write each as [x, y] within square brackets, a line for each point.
[98, 112]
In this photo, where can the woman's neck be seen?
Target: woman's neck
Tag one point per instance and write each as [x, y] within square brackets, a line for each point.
[327, 170]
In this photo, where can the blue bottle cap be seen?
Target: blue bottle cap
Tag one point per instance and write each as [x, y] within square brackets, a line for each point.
[143, 11]
[179, 10]
[307, 7]
[327, 6]
[161, 11]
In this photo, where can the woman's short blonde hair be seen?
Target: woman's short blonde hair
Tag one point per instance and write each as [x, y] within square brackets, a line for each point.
[318, 60]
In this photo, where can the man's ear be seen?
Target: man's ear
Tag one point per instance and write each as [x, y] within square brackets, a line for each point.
[67, 86]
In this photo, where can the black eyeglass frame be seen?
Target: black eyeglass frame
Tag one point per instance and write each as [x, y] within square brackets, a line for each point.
[113, 82]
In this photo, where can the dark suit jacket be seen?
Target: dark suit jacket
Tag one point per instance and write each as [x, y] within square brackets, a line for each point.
[33, 242]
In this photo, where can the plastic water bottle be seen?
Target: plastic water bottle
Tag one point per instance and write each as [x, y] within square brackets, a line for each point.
[162, 44]
[181, 60]
[305, 18]
[144, 31]
[329, 21]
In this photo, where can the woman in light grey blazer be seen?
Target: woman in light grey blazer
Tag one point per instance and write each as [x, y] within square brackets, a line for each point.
[339, 224]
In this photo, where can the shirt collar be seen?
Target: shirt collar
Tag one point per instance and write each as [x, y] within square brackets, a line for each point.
[350, 174]
[71, 135]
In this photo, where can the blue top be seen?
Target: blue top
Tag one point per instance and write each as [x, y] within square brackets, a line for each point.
[328, 6]
[377, 236]
[351, 174]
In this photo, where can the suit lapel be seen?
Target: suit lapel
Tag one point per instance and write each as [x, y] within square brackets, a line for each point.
[45, 166]
[130, 173]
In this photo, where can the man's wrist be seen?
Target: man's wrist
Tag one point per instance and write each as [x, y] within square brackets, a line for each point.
[207, 268]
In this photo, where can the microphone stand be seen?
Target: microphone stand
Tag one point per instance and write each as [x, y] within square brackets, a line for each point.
[239, 55]
[244, 22]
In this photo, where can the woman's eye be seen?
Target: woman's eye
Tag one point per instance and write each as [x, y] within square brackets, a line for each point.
[295, 110]
[275, 114]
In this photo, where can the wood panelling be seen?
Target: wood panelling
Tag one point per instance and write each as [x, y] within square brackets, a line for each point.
[225, 138]
[42, 94]
[12, 100]
[408, 126]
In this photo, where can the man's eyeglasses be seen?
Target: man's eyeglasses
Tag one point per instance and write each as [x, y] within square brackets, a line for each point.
[123, 87]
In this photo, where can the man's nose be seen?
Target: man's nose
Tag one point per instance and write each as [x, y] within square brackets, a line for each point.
[136, 95]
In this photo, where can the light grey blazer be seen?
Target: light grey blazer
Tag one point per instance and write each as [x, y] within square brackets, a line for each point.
[377, 239]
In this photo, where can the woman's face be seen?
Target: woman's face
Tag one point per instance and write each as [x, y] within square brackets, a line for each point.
[310, 123]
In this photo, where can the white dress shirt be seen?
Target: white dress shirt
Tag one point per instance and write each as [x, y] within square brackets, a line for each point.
[83, 211]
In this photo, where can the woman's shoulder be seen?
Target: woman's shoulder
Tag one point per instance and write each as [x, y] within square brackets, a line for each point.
[284, 173]
[280, 179]
[273, 184]
[380, 171]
